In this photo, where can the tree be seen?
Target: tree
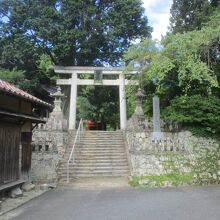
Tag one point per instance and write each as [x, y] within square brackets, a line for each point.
[99, 105]
[188, 15]
[186, 65]
[72, 32]
[215, 3]
[199, 113]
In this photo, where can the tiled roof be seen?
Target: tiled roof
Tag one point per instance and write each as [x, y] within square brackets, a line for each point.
[12, 90]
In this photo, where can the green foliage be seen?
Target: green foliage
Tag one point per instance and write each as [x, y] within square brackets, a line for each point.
[197, 52]
[99, 104]
[85, 109]
[185, 65]
[139, 56]
[75, 32]
[196, 111]
[188, 15]
[35, 34]
[44, 65]
[17, 77]
[13, 76]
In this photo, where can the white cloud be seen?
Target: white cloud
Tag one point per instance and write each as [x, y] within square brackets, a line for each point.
[158, 13]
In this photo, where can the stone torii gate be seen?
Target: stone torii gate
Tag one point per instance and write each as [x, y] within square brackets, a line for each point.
[74, 81]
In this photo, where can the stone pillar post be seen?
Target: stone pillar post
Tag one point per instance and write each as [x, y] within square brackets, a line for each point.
[122, 102]
[157, 134]
[73, 97]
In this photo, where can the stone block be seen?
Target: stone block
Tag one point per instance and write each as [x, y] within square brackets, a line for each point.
[167, 184]
[16, 192]
[44, 186]
[27, 187]
[52, 185]
[144, 182]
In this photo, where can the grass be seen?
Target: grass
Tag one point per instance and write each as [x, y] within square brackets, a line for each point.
[175, 179]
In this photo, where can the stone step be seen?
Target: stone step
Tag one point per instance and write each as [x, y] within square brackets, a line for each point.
[102, 139]
[99, 146]
[94, 165]
[82, 150]
[94, 173]
[86, 164]
[98, 170]
[104, 143]
[94, 169]
[96, 143]
[111, 138]
[79, 176]
[96, 156]
[99, 161]
[99, 153]
[94, 153]
[101, 156]
[102, 133]
[94, 182]
[103, 136]
[72, 178]
[96, 148]
[89, 174]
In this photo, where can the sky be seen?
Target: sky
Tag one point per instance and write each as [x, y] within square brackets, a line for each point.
[158, 13]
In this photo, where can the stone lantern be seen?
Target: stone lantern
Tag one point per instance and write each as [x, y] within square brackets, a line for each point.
[58, 100]
[137, 121]
[139, 97]
[56, 118]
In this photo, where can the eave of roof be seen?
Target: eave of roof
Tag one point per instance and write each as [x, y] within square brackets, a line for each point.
[10, 89]
[22, 117]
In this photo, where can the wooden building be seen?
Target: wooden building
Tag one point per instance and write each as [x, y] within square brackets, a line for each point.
[19, 113]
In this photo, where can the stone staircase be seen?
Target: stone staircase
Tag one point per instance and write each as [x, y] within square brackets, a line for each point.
[100, 154]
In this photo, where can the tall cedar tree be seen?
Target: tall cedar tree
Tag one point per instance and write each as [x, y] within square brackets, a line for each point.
[188, 15]
[71, 32]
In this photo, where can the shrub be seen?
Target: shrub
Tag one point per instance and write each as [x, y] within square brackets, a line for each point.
[201, 114]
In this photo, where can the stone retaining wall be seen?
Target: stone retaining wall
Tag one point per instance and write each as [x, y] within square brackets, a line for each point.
[178, 152]
[48, 148]
[44, 166]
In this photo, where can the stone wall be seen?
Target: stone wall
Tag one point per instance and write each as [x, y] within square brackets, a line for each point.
[49, 142]
[178, 152]
[48, 149]
[44, 166]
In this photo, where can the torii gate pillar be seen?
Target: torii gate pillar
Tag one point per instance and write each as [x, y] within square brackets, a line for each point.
[73, 98]
[122, 101]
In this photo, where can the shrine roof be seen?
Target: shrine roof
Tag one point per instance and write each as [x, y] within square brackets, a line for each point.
[10, 89]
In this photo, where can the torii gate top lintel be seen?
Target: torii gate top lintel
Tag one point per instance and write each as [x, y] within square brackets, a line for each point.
[91, 70]
[74, 81]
